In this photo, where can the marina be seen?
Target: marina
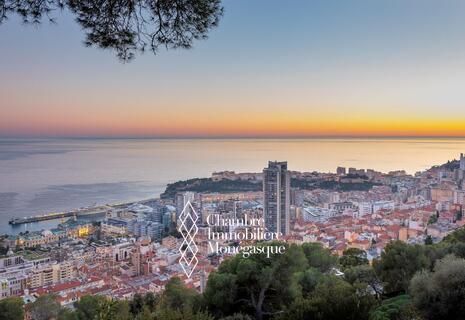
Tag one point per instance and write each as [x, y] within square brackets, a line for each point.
[60, 215]
[79, 213]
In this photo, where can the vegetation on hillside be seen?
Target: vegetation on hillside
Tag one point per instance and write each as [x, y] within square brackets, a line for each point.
[208, 185]
[450, 165]
[224, 186]
[421, 282]
[332, 185]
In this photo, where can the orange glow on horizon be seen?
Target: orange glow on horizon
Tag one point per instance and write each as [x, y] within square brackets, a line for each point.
[236, 125]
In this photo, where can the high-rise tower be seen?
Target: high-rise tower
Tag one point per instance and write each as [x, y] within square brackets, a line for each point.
[276, 197]
[181, 201]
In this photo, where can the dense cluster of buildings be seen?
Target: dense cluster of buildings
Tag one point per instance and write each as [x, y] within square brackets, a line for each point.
[136, 248]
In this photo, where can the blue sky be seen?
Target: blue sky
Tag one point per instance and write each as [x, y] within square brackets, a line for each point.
[270, 67]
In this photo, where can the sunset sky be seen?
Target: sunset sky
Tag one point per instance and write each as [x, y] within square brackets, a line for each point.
[271, 68]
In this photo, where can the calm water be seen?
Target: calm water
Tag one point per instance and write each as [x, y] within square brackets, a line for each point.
[38, 176]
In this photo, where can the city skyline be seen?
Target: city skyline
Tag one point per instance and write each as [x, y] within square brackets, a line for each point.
[327, 69]
[300, 160]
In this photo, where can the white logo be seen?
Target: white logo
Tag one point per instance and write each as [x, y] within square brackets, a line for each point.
[188, 230]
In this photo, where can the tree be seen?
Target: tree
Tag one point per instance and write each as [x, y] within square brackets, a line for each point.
[364, 274]
[459, 215]
[127, 26]
[399, 262]
[262, 285]
[220, 293]
[186, 314]
[145, 314]
[136, 304]
[337, 299]
[177, 296]
[119, 310]
[428, 240]
[440, 294]
[46, 307]
[457, 249]
[433, 219]
[308, 280]
[11, 309]
[332, 299]
[178, 302]
[397, 308]
[319, 257]
[150, 300]
[237, 316]
[88, 307]
[99, 307]
[353, 257]
[456, 236]
[67, 314]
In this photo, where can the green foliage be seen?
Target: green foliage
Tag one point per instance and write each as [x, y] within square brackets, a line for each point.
[150, 300]
[11, 309]
[256, 284]
[67, 314]
[433, 219]
[127, 26]
[364, 275]
[428, 240]
[237, 316]
[180, 303]
[332, 299]
[454, 244]
[456, 236]
[397, 308]
[333, 185]
[353, 257]
[88, 307]
[222, 186]
[458, 215]
[220, 293]
[457, 249]
[176, 296]
[120, 310]
[318, 257]
[99, 307]
[298, 285]
[136, 304]
[347, 186]
[449, 165]
[440, 294]
[145, 314]
[336, 299]
[184, 314]
[46, 307]
[308, 280]
[176, 303]
[209, 185]
[399, 262]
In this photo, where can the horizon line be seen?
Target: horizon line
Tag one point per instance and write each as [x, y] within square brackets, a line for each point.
[230, 137]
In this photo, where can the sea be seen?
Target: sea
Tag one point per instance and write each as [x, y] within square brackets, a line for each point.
[38, 176]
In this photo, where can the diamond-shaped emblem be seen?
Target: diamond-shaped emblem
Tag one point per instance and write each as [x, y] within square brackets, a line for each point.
[188, 229]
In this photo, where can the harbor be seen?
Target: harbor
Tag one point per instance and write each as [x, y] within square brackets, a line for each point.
[88, 212]
[50, 220]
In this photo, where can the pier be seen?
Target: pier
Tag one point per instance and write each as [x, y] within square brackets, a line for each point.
[89, 211]
[60, 215]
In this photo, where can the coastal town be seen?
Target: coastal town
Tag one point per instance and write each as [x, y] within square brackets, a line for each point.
[136, 248]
